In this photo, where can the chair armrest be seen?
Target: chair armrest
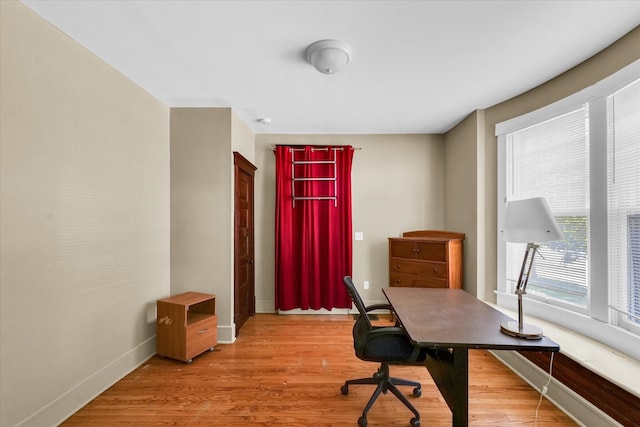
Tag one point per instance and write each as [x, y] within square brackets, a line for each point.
[378, 307]
[387, 330]
[382, 307]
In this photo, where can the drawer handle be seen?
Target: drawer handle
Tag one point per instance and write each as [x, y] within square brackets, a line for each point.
[202, 331]
[398, 266]
[435, 270]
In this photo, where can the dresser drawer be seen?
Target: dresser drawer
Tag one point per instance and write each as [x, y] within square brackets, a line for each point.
[431, 251]
[423, 268]
[402, 248]
[411, 280]
[413, 249]
[201, 336]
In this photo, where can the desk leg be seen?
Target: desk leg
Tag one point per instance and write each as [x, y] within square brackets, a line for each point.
[450, 372]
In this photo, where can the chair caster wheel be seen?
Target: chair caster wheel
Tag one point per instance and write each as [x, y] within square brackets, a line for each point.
[417, 392]
[344, 390]
[415, 422]
[362, 422]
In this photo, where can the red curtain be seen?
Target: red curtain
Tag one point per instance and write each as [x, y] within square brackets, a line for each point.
[313, 237]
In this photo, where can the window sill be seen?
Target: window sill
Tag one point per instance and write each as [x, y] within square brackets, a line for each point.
[619, 368]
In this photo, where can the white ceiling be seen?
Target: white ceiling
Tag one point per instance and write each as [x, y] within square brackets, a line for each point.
[417, 66]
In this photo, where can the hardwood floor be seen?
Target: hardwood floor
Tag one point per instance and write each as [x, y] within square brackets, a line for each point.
[286, 370]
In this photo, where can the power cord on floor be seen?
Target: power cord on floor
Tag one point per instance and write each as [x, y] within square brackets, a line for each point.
[544, 390]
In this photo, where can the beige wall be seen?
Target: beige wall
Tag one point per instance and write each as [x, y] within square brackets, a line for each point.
[84, 221]
[397, 185]
[202, 202]
[202, 207]
[463, 193]
[242, 138]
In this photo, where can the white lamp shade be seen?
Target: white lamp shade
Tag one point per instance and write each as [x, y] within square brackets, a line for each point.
[530, 221]
[328, 56]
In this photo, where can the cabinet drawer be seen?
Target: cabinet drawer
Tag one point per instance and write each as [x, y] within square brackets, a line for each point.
[402, 249]
[431, 251]
[410, 280]
[201, 336]
[424, 268]
[411, 249]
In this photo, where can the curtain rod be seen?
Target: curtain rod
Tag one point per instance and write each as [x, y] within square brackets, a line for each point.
[320, 147]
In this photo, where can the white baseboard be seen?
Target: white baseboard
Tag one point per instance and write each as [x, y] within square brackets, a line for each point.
[575, 406]
[226, 334]
[72, 400]
[265, 306]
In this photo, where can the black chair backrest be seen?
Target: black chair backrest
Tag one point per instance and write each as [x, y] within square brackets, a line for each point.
[392, 345]
[357, 301]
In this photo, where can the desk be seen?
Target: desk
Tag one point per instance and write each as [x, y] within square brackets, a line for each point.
[453, 320]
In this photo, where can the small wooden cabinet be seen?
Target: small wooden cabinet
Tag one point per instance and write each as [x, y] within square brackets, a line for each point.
[187, 325]
[426, 259]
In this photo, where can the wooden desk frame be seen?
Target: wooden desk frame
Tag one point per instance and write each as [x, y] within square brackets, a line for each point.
[453, 321]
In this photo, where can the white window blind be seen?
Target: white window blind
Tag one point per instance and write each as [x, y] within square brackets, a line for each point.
[623, 155]
[551, 159]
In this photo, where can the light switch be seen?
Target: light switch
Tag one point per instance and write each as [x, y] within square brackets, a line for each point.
[359, 235]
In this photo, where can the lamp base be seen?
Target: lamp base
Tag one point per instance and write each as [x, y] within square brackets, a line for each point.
[529, 332]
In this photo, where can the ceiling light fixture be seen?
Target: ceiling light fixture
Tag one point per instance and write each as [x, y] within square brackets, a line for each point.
[328, 56]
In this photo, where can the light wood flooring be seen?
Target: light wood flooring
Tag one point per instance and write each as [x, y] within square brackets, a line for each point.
[286, 370]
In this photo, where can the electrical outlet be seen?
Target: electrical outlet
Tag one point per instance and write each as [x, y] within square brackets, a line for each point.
[366, 284]
[359, 235]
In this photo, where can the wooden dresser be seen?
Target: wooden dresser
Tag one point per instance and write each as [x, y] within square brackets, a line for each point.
[426, 259]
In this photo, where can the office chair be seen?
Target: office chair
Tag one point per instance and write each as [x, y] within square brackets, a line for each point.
[387, 345]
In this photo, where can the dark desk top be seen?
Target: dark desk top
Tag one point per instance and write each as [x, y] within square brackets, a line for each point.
[452, 318]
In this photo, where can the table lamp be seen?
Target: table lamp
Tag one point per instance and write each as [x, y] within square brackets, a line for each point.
[527, 221]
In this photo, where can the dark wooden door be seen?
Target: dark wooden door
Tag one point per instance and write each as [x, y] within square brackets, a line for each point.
[244, 275]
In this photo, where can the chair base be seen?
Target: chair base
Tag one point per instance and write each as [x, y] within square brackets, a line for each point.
[386, 383]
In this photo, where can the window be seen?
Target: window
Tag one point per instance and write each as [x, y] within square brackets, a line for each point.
[582, 155]
[631, 295]
[551, 159]
[623, 184]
